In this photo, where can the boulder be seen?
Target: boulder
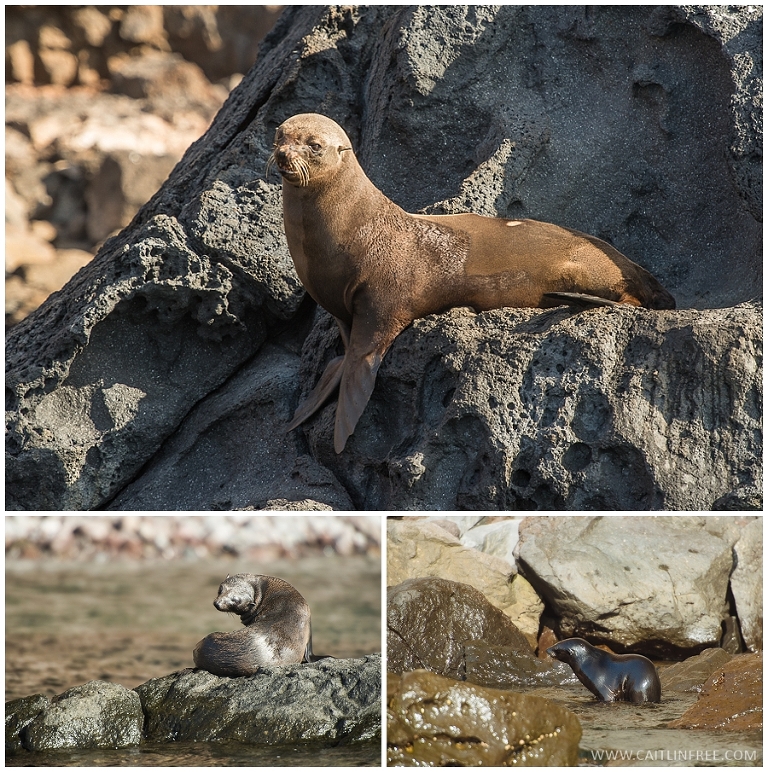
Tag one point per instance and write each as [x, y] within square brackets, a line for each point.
[747, 583]
[330, 700]
[95, 715]
[429, 622]
[435, 721]
[691, 674]
[511, 409]
[730, 700]
[654, 585]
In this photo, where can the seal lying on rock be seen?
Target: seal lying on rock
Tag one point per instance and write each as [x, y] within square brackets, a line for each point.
[277, 627]
[610, 677]
[376, 268]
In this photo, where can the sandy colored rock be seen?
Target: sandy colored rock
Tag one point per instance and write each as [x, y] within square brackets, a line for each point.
[418, 549]
[662, 582]
[731, 699]
[436, 721]
[747, 584]
[692, 673]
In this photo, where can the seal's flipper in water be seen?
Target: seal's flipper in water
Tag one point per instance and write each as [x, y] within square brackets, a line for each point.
[316, 398]
[580, 299]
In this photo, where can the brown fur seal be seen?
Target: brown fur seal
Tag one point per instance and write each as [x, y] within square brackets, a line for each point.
[277, 627]
[376, 268]
[610, 677]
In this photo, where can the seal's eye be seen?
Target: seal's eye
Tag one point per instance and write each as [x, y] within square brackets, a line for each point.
[315, 147]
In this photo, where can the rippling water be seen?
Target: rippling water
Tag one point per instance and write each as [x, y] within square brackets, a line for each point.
[126, 622]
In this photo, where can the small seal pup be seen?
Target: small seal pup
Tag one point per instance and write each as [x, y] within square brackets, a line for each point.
[277, 627]
[376, 268]
[610, 677]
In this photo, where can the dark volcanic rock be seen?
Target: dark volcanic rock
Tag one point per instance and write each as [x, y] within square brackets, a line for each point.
[639, 125]
[334, 699]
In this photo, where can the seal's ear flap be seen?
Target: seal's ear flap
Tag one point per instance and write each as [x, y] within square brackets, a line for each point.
[342, 149]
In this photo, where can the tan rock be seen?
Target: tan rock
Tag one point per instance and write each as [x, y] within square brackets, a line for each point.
[143, 24]
[60, 66]
[436, 721]
[52, 37]
[24, 247]
[731, 699]
[422, 548]
[94, 25]
[21, 62]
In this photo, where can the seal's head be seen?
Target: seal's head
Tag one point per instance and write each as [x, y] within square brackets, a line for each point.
[237, 595]
[571, 650]
[309, 148]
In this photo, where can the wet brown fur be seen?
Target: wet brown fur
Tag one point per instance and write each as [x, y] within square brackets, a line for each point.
[277, 627]
[376, 268]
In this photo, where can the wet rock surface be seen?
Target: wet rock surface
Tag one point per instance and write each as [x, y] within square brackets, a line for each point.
[429, 621]
[331, 700]
[328, 700]
[731, 699]
[435, 721]
[692, 673]
[427, 548]
[95, 715]
[514, 409]
[726, 719]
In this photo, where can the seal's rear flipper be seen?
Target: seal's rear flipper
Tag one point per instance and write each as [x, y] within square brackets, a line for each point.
[308, 655]
[316, 398]
[580, 299]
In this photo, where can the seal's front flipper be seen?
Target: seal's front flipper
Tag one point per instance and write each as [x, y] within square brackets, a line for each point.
[316, 398]
[580, 299]
[357, 385]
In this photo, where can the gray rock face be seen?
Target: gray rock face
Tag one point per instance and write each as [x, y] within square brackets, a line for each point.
[639, 582]
[524, 409]
[747, 584]
[639, 125]
[327, 700]
[330, 700]
[95, 715]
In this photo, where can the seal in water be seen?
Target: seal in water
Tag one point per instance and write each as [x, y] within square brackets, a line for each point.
[376, 268]
[610, 677]
[277, 627]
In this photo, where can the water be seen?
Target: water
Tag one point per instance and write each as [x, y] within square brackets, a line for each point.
[128, 621]
[230, 754]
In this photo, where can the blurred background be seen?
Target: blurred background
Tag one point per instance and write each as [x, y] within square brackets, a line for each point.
[101, 103]
[125, 599]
